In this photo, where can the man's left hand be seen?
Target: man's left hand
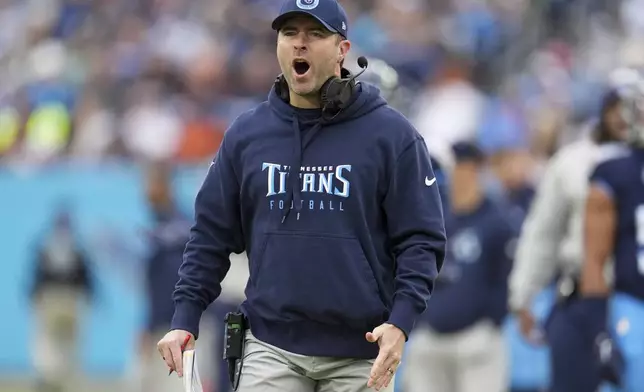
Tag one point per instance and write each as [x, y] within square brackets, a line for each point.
[391, 341]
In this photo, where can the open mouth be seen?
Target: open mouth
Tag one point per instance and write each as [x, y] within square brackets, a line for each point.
[301, 66]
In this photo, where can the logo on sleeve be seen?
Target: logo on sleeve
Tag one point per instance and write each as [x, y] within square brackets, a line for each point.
[429, 182]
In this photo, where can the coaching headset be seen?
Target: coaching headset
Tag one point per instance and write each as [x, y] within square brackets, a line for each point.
[335, 93]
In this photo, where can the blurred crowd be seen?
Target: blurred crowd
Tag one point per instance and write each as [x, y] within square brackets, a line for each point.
[95, 80]
[98, 81]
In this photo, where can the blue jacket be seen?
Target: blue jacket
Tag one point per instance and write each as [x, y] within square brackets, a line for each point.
[473, 285]
[340, 218]
[166, 244]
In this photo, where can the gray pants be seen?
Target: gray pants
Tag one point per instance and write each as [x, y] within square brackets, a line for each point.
[55, 346]
[472, 360]
[267, 368]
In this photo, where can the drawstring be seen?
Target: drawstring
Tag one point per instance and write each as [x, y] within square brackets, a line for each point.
[293, 183]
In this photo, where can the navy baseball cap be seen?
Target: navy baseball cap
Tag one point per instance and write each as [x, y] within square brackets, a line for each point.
[328, 12]
[466, 151]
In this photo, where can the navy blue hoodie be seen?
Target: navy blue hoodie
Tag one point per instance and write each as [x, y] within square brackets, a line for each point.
[473, 284]
[353, 239]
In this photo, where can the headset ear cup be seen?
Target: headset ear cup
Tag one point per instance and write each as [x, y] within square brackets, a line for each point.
[333, 94]
[336, 92]
[281, 88]
[326, 99]
[345, 94]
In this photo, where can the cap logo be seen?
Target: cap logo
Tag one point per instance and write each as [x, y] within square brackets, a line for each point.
[307, 4]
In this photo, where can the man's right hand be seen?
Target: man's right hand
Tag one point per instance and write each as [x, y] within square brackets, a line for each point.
[171, 351]
[528, 327]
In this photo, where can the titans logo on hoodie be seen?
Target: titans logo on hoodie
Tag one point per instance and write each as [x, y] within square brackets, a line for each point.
[330, 180]
[341, 220]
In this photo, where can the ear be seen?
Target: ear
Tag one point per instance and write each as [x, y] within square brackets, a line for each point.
[343, 49]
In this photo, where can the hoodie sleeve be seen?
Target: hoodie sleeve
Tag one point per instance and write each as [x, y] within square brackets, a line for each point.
[416, 233]
[215, 234]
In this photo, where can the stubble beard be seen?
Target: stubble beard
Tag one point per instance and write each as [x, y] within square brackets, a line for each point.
[306, 90]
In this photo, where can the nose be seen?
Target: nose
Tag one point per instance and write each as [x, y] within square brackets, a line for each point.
[299, 43]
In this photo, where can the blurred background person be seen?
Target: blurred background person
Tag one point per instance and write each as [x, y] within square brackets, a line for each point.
[504, 138]
[551, 246]
[450, 107]
[459, 346]
[167, 240]
[62, 286]
[611, 316]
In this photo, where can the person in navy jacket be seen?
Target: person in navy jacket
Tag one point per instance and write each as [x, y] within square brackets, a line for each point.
[459, 346]
[166, 243]
[331, 193]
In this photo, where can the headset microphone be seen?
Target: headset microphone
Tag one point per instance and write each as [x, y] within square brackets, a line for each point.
[362, 63]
